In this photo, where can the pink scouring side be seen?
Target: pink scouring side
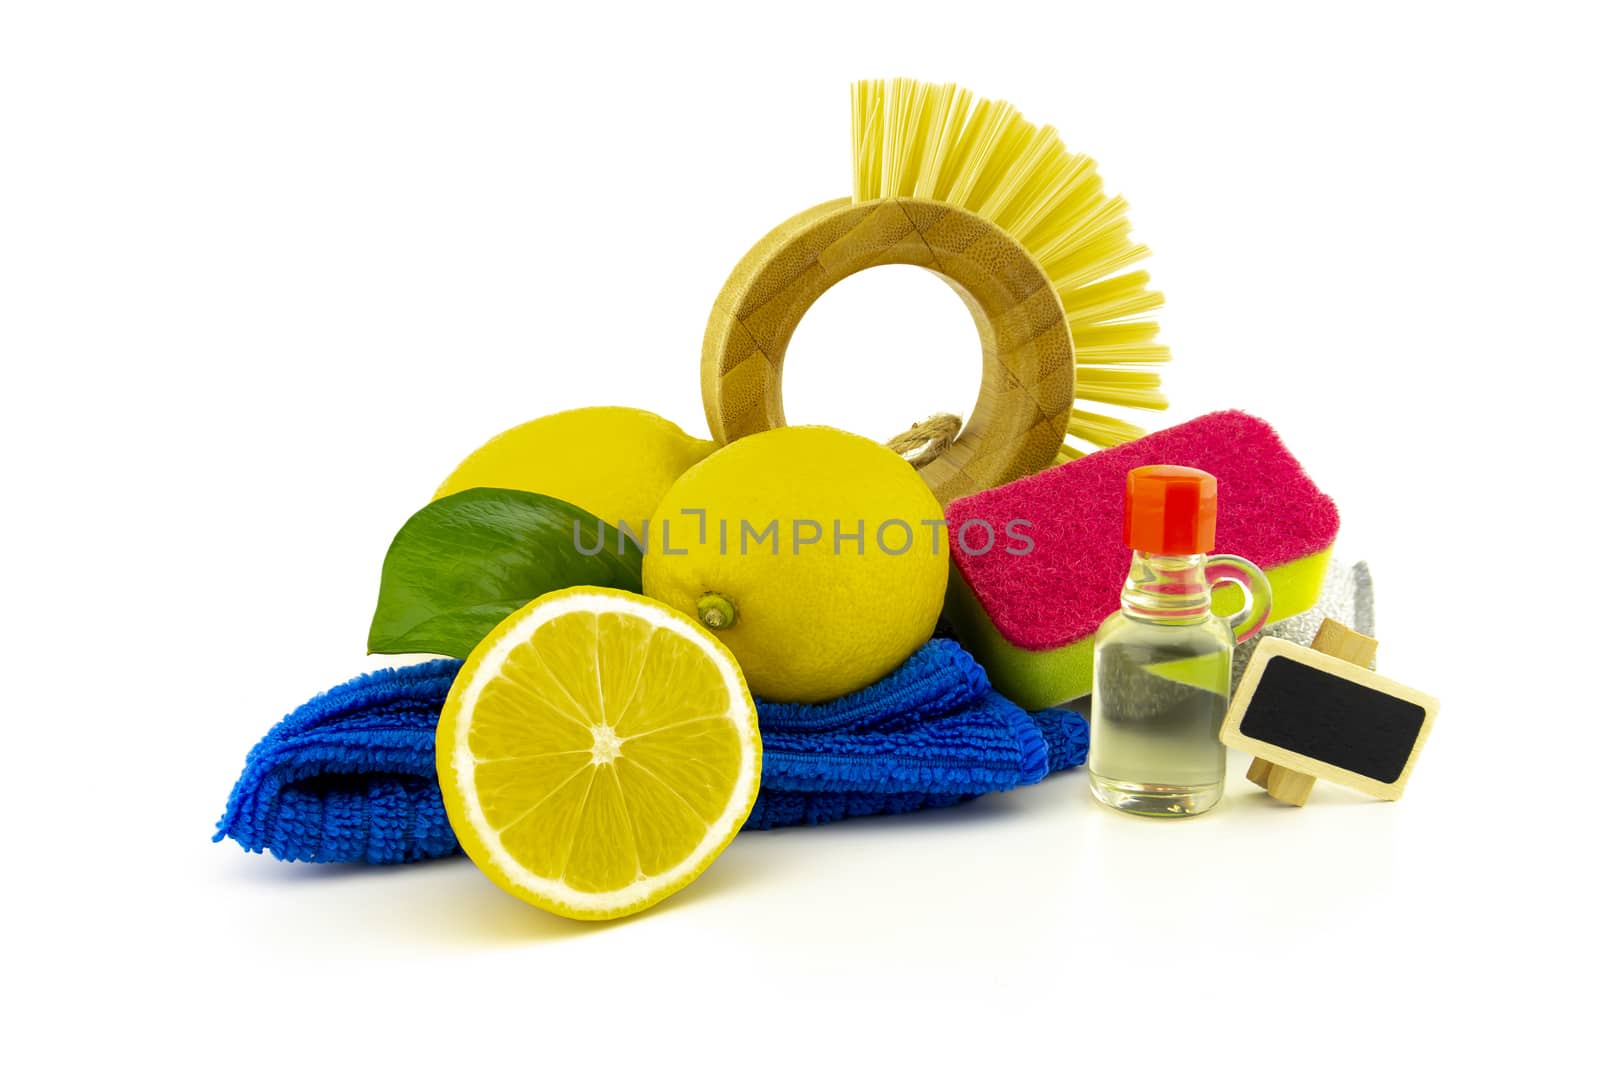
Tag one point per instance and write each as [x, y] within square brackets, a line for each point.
[1268, 510]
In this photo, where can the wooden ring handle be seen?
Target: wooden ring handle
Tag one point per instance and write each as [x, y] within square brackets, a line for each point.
[1025, 398]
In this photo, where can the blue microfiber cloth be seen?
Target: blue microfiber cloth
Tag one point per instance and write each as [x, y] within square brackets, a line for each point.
[932, 733]
[349, 777]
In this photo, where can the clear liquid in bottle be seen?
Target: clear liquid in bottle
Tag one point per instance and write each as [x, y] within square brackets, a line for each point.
[1157, 707]
[1164, 662]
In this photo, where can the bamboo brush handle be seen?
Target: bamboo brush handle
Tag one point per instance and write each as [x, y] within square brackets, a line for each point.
[1025, 398]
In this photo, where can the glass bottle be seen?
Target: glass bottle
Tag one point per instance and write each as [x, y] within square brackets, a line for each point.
[1164, 662]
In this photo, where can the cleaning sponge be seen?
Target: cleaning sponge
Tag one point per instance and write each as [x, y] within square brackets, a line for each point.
[1029, 615]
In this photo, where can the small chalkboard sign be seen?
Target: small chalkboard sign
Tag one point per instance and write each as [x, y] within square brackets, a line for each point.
[1308, 714]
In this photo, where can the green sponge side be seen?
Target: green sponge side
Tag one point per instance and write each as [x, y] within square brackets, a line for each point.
[1037, 679]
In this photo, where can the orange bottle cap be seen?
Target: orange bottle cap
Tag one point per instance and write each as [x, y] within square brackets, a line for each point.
[1170, 510]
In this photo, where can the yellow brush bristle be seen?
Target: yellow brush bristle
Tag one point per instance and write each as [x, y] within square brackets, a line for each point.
[939, 142]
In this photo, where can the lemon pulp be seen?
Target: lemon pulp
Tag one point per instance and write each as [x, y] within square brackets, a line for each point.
[597, 751]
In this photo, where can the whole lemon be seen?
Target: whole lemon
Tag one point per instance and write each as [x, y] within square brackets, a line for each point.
[614, 462]
[818, 557]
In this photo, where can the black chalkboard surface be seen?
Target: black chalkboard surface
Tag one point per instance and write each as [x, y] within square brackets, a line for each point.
[1326, 717]
[1333, 720]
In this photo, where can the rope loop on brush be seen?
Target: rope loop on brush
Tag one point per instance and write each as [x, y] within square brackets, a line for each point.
[927, 440]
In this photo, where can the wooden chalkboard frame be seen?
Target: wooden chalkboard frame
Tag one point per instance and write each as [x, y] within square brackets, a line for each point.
[1270, 648]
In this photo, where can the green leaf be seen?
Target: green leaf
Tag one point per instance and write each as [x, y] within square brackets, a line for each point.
[464, 562]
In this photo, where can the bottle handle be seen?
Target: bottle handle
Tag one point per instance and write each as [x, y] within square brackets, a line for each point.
[1231, 569]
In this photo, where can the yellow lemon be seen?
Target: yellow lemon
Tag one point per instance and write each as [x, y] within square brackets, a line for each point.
[597, 751]
[614, 462]
[819, 557]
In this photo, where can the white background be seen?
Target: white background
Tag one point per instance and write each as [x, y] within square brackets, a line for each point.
[268, 271]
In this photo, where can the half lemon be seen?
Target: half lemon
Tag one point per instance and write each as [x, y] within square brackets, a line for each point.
[597, 751]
